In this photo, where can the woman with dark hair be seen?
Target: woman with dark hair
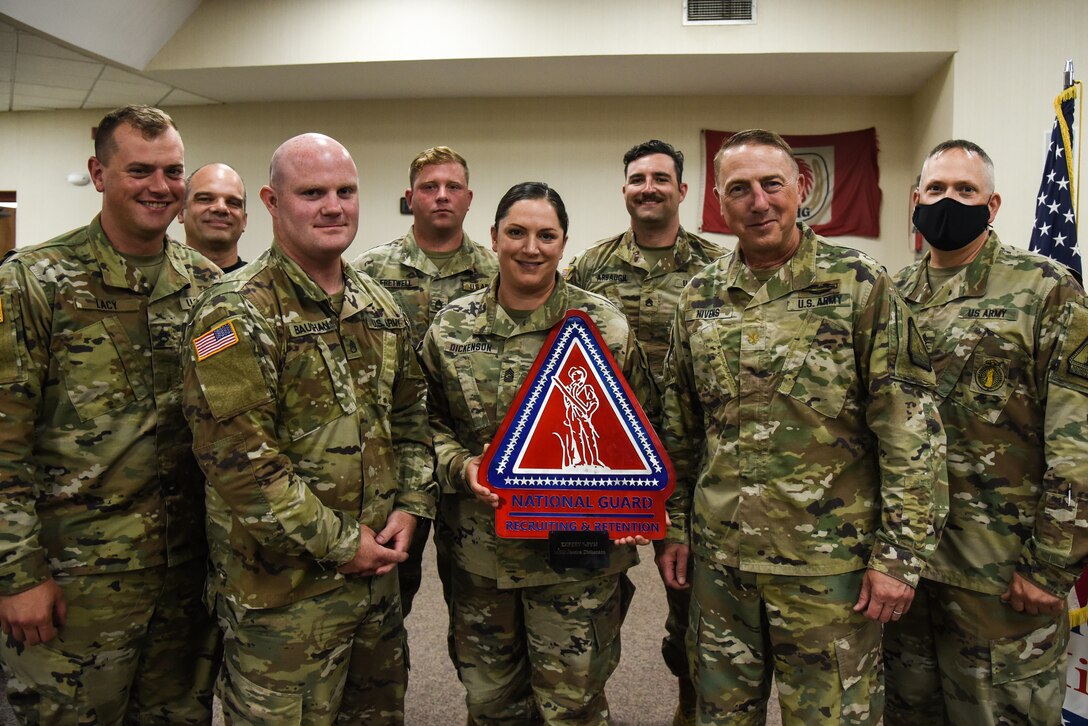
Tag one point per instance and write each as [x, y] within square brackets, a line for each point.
[532, 644]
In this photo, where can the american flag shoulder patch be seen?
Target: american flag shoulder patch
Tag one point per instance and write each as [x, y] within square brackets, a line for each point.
[215, 340]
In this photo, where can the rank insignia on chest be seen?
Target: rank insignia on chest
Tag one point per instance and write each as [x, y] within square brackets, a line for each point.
[575, 452]
[215, 340]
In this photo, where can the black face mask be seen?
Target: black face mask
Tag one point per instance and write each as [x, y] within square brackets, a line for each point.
[949, 224]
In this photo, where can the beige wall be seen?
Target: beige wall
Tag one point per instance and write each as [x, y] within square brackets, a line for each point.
[575, 144]
[996, 90]
[1007, 73]
[376, 30]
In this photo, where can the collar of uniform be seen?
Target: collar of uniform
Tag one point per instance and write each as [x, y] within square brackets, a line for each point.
[971, 281]
[357, 296]
[416, 258]
[543, 318]
[297, 275]
[175, 273]
[629, 252]
[796, 274]
[116, 272]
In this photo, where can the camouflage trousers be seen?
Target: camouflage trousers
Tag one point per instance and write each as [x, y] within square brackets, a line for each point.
[748, 627]
[338, 657]
[537, 654]
[963, 657]
[138, 647]
[673, 646]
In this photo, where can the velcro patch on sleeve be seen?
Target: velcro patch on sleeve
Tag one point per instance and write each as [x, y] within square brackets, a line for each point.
[1072, 368]
[916, 347]
[230, 375]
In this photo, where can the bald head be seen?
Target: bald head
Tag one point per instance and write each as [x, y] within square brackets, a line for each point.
[304, 148]
[313, 197]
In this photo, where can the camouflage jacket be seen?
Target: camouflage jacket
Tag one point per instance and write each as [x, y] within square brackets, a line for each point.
[417, 285]
[800, 418]
[1004, 338]
[475, 359]
[96, 469]
[616, 269]
[306, 424]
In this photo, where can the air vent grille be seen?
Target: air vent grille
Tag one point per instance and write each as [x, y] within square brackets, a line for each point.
[719, 12]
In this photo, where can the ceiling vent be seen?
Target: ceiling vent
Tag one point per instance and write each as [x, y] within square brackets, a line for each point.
[719, 12]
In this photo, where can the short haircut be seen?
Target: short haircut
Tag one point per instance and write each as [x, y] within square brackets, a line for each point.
[532, 190]
[968, 147]
[656, 146]
[148, 120]
[432, 156]
[189, 182]
[753, 137]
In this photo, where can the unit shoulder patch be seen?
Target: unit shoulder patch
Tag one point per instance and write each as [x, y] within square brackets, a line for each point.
[916, 347]
[1077, 339]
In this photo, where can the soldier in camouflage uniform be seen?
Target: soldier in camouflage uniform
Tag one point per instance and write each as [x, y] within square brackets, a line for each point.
[214, 214]
[985, 641]
[801, 422]
[102, 554]
[643, 271]
[434, 264]
[308, 411]
[531, 643]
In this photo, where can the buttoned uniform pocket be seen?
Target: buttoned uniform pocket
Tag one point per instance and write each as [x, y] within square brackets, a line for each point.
[95, 362]
[308, 398]
[858, 655]
[1023, 657]
[714, 382]
[245, 702]
[818, 369]
[982, 373]
[13, 366]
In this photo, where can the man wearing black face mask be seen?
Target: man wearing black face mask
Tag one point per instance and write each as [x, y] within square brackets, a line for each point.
[984, 640]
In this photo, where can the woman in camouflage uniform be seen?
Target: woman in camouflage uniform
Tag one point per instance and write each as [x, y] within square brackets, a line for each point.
[532, 644]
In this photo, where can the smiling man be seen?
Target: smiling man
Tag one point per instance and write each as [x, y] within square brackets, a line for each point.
[102, 551]
[214, 214]
[643, 271]
[800, 417]
[309, 418]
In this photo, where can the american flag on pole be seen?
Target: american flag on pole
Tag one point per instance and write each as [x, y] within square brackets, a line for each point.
[215, 340]
[1055, 230]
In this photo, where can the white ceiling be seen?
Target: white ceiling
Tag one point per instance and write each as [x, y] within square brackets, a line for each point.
[38, 72]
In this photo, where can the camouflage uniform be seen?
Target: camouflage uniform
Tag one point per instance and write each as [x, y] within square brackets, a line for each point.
[1004, 337]
[421, 290]
[417, 285]
[308, 426]
[806, 441]
[616, 269]
[98, 486]
[547, 640]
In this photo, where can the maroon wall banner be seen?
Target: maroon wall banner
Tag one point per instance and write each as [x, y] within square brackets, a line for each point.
[840, 182]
